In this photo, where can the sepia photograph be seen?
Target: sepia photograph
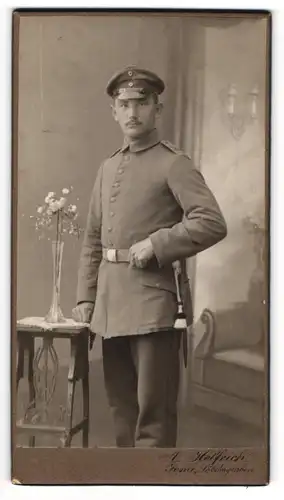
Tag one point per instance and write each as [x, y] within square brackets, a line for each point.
[140, 246]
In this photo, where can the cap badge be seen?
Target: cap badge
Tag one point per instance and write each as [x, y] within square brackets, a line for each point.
[130, 84]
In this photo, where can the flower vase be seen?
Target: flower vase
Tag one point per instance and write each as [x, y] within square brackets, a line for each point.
[55, 314]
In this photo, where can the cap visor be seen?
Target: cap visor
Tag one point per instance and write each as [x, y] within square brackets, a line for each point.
[130, 94]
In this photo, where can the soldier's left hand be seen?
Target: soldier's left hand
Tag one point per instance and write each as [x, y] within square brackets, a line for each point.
[140, 253]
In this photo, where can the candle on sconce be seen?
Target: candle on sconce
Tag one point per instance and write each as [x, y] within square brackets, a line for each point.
[241, 107]
[254, 95]
[232, 93]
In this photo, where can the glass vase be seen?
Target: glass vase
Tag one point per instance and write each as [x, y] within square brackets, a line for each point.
[55, 314]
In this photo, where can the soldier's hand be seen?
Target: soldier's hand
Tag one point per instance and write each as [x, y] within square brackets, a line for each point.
[140, 253]
[82, 313]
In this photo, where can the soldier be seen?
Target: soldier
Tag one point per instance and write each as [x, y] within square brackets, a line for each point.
[149, 208]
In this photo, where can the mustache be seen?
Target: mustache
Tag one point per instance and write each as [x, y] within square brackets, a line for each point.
[133, 122]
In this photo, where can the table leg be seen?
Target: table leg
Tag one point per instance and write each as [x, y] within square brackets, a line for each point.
[85, 387]
[26, 345]
[20, 363]
[32, 394]
[70, 393]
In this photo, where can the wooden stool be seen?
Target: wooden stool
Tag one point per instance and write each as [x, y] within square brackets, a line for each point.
[36, 421]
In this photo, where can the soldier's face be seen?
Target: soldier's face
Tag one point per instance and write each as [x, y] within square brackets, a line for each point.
[136, 116]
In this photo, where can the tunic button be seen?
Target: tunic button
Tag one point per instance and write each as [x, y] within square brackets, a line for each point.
[109, 229]
[112, 198]
[111, 214]
[120, 170]
[116, 184]
[126, 158]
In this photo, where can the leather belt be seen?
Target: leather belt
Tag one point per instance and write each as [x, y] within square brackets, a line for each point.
[114, 255]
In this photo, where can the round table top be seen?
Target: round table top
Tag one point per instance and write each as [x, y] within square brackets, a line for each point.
[39, 324]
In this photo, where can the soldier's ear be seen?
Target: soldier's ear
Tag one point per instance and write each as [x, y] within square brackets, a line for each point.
[113, 111]
[159, 108]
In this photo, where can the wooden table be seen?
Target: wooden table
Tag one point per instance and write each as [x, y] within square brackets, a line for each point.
[42, 372]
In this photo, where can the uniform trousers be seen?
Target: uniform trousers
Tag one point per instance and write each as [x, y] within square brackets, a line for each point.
[141, 375]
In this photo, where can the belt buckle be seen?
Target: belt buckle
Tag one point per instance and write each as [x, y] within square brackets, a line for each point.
[112, 255]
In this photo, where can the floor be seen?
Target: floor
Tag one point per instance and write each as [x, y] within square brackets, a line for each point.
[197, 429]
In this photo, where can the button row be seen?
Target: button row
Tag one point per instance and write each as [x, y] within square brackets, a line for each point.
[116, 185]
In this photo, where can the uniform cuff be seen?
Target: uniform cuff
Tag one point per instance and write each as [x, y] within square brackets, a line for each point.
[158, 244]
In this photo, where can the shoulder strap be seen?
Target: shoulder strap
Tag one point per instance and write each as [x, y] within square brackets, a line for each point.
[174, 149]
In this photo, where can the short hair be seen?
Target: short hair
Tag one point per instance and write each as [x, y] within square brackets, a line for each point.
[155, 98]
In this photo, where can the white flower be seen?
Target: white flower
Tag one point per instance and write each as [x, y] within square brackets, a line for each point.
[53, 206]
[49, 212]
[49, 197]
[65, 191]
[73, 209]
[61, 202]
[40, 210]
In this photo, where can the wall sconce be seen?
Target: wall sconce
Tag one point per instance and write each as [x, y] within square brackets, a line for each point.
[239, 119]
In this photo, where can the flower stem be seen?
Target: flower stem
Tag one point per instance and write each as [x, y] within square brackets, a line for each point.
[57, 251]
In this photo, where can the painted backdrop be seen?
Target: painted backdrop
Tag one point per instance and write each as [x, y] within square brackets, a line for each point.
[66, 130]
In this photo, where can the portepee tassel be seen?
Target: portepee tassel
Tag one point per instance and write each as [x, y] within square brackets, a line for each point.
[180, 322]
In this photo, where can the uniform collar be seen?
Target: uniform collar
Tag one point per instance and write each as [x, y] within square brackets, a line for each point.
[145, 142]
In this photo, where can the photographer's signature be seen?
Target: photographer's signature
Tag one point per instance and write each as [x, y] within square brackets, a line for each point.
[222, 461]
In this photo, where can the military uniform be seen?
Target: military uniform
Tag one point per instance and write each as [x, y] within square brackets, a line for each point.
[147, 188]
